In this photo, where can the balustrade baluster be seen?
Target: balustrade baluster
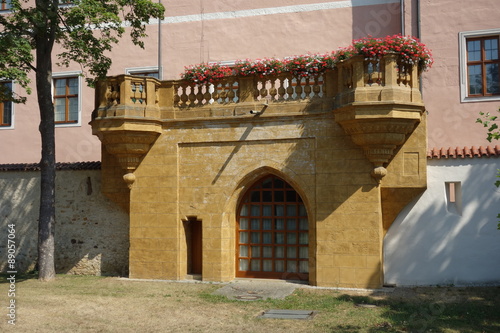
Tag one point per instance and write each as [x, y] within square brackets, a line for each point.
[307, 87]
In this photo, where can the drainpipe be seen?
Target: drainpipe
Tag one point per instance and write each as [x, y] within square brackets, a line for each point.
[160, 67]
[419, 36]
[418, 21]
[402, 7]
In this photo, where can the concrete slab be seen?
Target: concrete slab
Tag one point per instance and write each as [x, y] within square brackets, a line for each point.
[256, 289]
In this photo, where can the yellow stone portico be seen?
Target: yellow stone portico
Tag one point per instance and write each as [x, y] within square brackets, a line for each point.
[282, 177]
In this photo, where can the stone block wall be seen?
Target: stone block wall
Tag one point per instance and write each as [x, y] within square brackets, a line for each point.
[91, 233]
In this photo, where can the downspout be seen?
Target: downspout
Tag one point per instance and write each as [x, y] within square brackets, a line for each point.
[418, 21]
[160, 67]
[402, 7]
[419, 36]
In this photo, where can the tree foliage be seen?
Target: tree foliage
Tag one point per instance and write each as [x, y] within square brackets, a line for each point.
[86, 31]
[488, 121]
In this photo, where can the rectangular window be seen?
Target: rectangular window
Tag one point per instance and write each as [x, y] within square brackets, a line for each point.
[5, 4]
[6, 108]
[143, 71]
[483, 66]
[66, 99]
[480, 65]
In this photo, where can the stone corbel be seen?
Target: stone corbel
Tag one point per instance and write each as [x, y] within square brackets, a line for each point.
[129, 148]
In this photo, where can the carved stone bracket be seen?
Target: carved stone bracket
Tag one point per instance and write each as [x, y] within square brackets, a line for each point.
[127, 119]
[379, 137]
[129, 148]
[378, 104]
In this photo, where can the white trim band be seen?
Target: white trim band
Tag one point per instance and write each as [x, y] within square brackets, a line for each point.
[272, 11]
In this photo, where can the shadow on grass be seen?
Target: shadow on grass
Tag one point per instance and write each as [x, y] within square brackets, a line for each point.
[464, 310]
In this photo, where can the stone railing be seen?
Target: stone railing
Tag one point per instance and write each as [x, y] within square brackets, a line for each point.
[377, 102]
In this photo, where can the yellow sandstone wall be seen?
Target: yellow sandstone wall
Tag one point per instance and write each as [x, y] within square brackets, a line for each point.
[203, 158]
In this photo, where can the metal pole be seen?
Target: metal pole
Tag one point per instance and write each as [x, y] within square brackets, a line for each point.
[402, 6]
[160, 67]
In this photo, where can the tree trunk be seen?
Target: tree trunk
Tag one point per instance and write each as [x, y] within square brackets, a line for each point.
[46, 222]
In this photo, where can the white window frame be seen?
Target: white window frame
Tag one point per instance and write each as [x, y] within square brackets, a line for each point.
[12, 116]
[62, 75]
[147, 69]
[463, 36]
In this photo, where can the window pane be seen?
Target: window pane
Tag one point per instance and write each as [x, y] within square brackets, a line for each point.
[279, 196]
[302, 210]
[7, 113]
[243, 251]
[278, 183]
[303, 225]
[475, 80]
[291, 252]
[280, 224]
[474, 50]
[6, 107]
[291, 224]
[267, 251]
[244, 237]
[255, 211]
[267, 210]
[255, 196]
[279, 238]
[243, 223]
[244, 210]
[73, 86]
[60, 109]
[255, 224]
[268, 183]
[267, 237]
[255, 237]
[303, 238]
[280, 252]
[491, 49]
[279, 266]
[60, 87]
[291, 266]
[492, 79]
[291, 238]
[303, 267]
[243, 264]
[303, 252]
[267, 196]
[267, 224]
[255, 251]
[280, 210]
[255, 265]
[267, 265]
[291, 210]
[73, 109]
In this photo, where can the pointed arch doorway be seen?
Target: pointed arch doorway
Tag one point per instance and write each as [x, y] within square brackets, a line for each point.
[272, 232]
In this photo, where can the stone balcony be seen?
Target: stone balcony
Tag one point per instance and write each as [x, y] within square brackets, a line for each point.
[351, 142]
[377, 103]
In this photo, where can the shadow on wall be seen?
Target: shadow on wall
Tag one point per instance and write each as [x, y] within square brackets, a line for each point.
[91, 232]
[433, 242]
[380, 21]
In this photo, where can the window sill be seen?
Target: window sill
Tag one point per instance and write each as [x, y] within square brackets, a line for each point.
[480, 99]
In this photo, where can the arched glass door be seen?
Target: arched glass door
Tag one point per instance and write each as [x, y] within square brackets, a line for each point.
[272, 239]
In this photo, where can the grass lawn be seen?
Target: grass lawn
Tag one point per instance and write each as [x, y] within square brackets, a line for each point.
[107, 304]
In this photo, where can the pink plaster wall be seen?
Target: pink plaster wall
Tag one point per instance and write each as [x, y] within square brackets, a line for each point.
[451, 122]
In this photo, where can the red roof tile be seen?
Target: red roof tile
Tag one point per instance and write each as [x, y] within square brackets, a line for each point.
[463, 152]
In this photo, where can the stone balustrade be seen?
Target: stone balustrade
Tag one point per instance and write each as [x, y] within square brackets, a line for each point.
[376, 101]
